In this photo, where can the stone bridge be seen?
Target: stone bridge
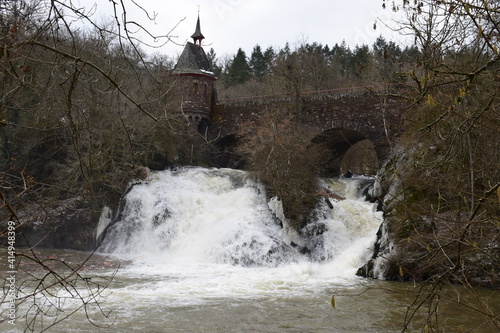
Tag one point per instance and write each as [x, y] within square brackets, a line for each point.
[333, 119]
[336, 119]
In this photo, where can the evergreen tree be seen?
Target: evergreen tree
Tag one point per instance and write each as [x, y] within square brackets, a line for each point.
[239, 71]
[359, 60]
[326, 50]
[342, 58]
[212, 59]
[315, 64]
[270, 56]
[258, 63]
[385, 55]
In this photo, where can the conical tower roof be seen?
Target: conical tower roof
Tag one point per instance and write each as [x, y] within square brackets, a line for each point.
[193, 60]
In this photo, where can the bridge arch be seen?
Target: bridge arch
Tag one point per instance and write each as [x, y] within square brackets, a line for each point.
[345, 149]
[338, 124]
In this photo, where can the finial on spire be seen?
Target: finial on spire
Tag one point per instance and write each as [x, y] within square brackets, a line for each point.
[198, 36]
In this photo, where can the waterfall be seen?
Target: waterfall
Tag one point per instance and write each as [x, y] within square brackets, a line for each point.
[205, 217]
[104, 220]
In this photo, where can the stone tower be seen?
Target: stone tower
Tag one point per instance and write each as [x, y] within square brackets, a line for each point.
[195, 83]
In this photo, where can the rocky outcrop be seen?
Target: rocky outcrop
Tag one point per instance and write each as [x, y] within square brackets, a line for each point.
[388, 188]
[70, 224]
[418, 242]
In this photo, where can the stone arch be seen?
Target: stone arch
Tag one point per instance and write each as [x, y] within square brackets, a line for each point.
[202, 124]
[361, 158]
[225, 152]
[339, 142]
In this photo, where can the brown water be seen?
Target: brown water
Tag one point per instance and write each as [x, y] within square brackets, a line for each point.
[200, 250]
[219, 298]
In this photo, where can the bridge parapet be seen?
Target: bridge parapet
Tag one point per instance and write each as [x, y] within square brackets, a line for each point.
[367, 113]
[308, 95]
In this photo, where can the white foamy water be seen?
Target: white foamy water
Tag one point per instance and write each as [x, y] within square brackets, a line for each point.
[197, 234]
[207, 253]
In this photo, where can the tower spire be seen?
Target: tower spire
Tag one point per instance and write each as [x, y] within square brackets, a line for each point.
[198, 36]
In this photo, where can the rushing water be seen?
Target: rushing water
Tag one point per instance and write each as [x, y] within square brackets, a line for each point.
[206, 251]
[197, 216]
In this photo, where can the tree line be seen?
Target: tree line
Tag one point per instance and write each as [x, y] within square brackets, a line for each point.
[313, 66]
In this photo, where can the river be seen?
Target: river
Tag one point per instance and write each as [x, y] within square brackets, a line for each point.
[204, 250]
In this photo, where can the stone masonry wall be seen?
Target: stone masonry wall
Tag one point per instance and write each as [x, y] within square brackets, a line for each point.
[379, 119]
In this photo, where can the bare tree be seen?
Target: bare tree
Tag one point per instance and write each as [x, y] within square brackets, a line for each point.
[81, 107]
[276, 146]
[444, 221]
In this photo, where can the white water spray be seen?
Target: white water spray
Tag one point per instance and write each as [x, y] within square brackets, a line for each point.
[197, 215]
[214, 232]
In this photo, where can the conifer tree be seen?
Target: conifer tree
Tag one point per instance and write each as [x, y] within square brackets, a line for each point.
[258, 63]
[238, 71]
[212, 58]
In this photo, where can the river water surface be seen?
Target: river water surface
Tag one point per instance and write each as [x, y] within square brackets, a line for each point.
[198, 250]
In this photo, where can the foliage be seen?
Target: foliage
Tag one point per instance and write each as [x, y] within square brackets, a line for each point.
[81, 108]
[318, 66]
[238, 71]
[212, 58]
[279, 155]
[446, 222]
[73, 103]
[260, 63]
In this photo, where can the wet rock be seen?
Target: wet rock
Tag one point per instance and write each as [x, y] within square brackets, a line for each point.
[68, 225]
[142, 172]
[329, 203]
[301, 249]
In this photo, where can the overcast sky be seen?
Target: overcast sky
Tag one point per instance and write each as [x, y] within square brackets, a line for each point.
[230, 24]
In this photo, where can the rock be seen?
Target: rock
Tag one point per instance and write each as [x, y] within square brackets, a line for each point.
[141, 173]
[68, 225]
[348, 174]
[329, 204]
